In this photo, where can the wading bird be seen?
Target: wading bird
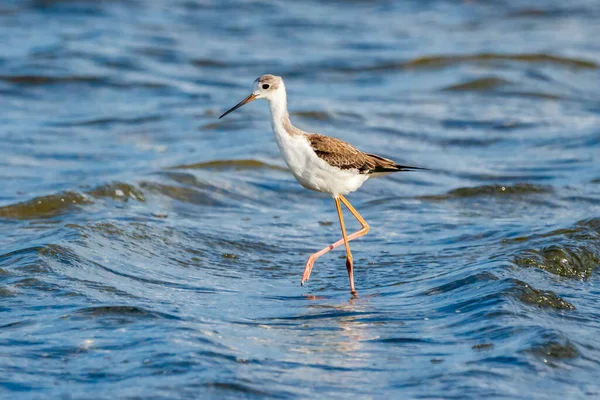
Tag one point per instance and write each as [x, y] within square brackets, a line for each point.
[320, 163]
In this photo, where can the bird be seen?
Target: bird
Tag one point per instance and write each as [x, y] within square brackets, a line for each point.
[321, 163]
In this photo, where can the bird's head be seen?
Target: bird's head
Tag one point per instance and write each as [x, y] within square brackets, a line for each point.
[269, 87]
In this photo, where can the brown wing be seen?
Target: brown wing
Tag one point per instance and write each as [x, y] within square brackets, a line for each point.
[343, 155]
[338, 153]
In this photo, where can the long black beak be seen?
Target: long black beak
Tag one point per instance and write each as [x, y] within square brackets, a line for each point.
[247, 100]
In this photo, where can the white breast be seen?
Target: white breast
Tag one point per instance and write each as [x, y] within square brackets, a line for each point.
[311, 171]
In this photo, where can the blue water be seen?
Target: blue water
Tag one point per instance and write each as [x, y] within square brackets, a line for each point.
[150, 250]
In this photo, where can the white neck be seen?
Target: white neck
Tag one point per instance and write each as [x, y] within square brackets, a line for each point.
[278, 105]
[280, 119]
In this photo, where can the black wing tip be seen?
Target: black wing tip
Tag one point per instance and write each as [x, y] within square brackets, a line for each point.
[396, 168]
[409, 168]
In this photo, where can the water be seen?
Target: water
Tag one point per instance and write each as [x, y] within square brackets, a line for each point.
[150, 250]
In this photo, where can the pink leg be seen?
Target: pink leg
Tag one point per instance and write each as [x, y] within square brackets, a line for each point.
[313, 257]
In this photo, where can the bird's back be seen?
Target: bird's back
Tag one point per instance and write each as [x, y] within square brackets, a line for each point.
[340, 154]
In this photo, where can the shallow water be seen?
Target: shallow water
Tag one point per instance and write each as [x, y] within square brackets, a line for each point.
[150, 250]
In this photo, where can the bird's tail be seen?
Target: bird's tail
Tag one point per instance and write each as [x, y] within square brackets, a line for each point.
[399, 167]
[384, 165]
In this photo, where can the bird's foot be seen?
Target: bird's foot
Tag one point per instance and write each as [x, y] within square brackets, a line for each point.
[350, 268]
[307, 269]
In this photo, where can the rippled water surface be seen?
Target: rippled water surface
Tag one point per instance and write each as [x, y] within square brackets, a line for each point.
[150, 250]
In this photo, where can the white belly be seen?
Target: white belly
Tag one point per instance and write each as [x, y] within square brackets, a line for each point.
[314, 173]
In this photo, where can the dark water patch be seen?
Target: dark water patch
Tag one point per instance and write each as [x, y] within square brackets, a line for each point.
[37, 284]
[125, 312]
[564, 350]
[50, 206]
[481, 84]
[483, 346]
[445, 61]
[434, 62]
[62, 255]
[183, 194]
[16, 325]
[91, 81]
[189, 179]
[587, 227]
[118, 191]
[540, 298]
[570, 253]
[45, 206]
[515, 190]
[553, 349]
[569, 260]
[5, 292]
[213, 126]
[238, 165]
[313, 115]
[110, 121]
[534, 95]
[210, 63]
[534, 13]
[34, 80]
[500, 87]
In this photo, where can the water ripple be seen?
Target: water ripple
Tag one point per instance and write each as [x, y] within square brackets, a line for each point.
[151, 250]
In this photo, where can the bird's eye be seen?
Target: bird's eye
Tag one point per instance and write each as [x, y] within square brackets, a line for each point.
[265, 86]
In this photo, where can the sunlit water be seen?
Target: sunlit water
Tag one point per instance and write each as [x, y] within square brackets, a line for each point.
[150, 250]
